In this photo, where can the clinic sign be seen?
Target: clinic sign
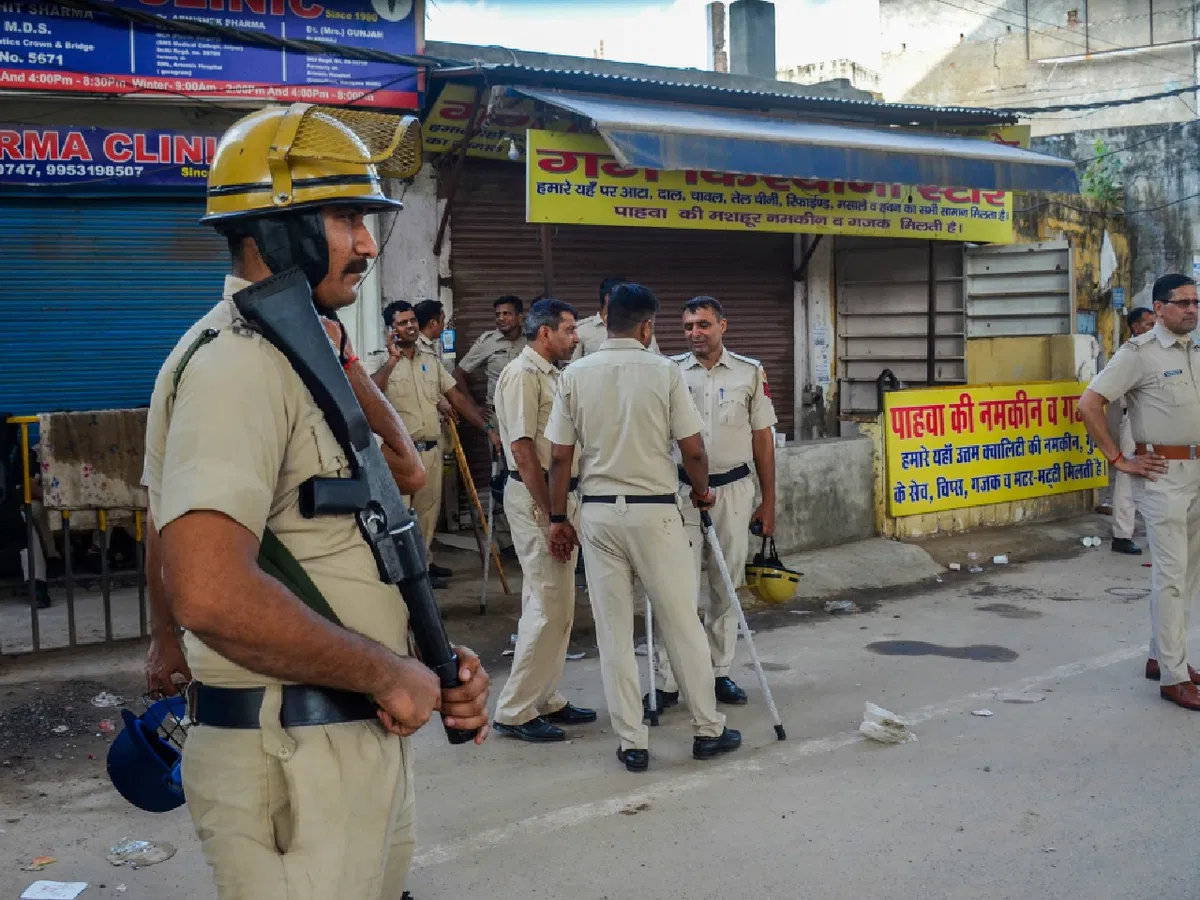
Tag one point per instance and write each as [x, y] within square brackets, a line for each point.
[47, 47]
[960, 446]
[103, 157]
[575, 179]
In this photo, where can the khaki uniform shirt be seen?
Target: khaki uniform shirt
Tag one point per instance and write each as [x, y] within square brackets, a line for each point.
[625, 406]
[494, 351]
[592, 333]
[414, 388]
[239, 437]
[524, 398]
[434, 347]
[733, 400]
[1158, 374]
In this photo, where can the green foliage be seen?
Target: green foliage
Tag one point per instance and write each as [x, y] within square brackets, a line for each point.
[1101, 179]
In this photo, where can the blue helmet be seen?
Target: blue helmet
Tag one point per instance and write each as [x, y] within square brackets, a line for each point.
[143, 761]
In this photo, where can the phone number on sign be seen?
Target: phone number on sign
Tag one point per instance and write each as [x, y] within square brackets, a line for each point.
[106, 171]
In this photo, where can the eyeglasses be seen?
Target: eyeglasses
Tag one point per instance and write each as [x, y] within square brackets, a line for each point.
[1184, 304]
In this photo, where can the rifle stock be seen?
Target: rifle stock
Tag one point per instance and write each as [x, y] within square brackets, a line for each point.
[281, 308]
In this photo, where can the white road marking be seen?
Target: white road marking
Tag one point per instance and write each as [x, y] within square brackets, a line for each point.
[570, 816]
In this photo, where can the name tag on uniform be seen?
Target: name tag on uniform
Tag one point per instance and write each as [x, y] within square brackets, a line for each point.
[1171, 372]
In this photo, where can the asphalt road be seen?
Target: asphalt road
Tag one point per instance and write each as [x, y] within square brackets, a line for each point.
[1084, 793]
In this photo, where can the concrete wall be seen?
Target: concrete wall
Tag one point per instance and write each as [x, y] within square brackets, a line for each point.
[1161, 168]
[987, 54]
[823, 492]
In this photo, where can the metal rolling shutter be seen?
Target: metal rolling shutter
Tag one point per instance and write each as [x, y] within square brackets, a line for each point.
[883, 317]
[494, 251]
[95, 293]
[1020, 289]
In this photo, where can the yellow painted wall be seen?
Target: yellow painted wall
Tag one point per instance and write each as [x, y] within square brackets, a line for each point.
[996, 360]
[956, 521]
[1052, 217]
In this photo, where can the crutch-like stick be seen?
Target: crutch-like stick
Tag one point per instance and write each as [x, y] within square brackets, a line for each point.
[491, 518]
[710, 534]
[652, 713]
[465, 471]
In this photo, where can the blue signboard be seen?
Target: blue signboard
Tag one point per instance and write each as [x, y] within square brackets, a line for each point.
[1118, 298]
[46, 47]
[37, 155]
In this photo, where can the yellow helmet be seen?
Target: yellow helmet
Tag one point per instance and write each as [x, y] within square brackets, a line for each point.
[769, 579]
[281, 159]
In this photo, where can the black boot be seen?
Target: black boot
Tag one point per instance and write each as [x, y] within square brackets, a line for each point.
[709, 747]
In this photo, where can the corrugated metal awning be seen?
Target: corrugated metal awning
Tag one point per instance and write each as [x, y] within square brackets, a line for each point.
[671, 137]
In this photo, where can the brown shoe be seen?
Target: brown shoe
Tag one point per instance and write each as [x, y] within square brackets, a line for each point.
[1185, 695]
[1154, 673]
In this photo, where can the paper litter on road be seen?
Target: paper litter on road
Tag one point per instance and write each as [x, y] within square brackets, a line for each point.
[576, 655]
[982, 712]
[105, 700]
[139, 854]
[841, 606]
[508, 652]
[39, 863]
[640, 650]
[885, 727]
[54, 890]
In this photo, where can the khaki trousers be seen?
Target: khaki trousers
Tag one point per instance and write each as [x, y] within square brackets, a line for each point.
[647, 542]
[731, 518]
[427, 502]
[307, 814]
[1122, 503]
[1170, 508]
[547, 613]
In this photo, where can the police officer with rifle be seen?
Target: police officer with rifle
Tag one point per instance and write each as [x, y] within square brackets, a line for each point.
[275, 470]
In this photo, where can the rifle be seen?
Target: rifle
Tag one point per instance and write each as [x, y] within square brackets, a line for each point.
[281, 308]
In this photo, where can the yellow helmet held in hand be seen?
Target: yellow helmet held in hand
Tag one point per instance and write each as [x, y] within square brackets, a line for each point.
[282, 159]
[769, 579]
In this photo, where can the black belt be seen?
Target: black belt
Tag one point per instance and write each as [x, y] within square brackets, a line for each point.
[423, 446]
[516, 476]
[220, 707]
[735, 474]
[631, 499]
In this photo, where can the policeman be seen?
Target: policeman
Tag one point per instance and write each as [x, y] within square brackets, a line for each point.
[297, 768]
[1140, 321]
[494, 349]
[734, 401]
[530, 706]
[1158, 375]
[625, 406]
[431, 319]
[592, 331]
[421, 390]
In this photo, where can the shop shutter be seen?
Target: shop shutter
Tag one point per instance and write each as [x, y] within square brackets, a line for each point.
[883, 317]
[95, 294]
[1019, 289]
[494, 251]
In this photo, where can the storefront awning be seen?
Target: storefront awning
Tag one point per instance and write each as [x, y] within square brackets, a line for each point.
[670, 137]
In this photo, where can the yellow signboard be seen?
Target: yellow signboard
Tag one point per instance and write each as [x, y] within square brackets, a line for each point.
[574, 179]
[500, 136]
[968, 446]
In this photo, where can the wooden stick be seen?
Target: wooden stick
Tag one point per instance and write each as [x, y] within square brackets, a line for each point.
[465, 471]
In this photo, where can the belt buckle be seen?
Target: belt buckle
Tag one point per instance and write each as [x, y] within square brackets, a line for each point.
[189, 701]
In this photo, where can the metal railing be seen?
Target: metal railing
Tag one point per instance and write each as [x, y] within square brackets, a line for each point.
[69, 575]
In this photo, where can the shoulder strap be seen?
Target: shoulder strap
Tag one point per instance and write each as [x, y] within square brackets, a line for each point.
[273, 557]
[277, 561]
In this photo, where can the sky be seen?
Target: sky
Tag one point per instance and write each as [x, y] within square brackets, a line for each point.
[657, 32]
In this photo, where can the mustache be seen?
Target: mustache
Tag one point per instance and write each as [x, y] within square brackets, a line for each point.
[356, 267]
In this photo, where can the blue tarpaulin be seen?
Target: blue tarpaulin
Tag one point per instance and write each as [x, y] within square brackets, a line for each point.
[671, 137]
